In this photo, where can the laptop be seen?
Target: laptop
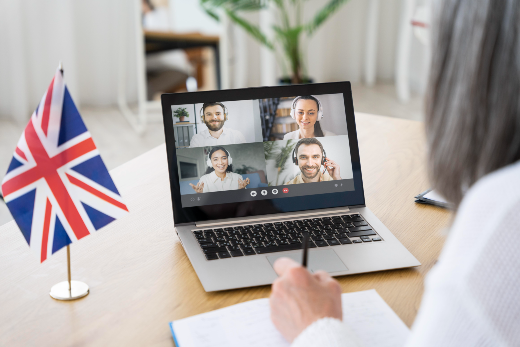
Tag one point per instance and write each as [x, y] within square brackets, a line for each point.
[253, 170]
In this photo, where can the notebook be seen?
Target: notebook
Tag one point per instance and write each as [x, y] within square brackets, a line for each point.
[249, 324]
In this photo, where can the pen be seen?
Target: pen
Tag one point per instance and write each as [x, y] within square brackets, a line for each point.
[305, 249]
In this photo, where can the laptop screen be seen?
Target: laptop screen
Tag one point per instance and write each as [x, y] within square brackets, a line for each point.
[260, 152]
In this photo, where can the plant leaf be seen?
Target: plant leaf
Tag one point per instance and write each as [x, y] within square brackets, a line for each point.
[253, 30]
[323, 14]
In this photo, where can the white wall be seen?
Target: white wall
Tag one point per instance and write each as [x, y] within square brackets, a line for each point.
[85, 35]
[334, 118]
[336, 52]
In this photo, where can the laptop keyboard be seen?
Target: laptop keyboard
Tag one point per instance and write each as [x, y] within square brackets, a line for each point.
[282, 236]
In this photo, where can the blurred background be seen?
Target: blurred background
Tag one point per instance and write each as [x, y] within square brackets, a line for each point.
[119, 56]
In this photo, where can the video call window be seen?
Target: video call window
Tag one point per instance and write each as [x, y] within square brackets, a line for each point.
[248, 144]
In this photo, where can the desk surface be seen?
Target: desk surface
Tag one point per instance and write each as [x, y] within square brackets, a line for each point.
[140, 277]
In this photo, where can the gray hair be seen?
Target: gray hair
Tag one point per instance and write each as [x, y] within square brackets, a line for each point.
[473, 100]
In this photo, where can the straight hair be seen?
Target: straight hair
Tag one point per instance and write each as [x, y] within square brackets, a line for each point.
[472, 104]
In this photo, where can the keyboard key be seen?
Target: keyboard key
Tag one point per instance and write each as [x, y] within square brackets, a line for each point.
[376, 239]
[357, 241]
[223, 255]
[363, 233]
[249, 252]
[211, 256]
[321, 243]
[206, 240]
[214, 250]
[366, 239]
[281, 248]
[345, 241]
[360, 224]
[208, 245]
[236, 253]
[333, 242]
[359, 229]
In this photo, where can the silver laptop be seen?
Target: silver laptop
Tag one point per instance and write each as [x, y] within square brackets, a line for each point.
[254, 170]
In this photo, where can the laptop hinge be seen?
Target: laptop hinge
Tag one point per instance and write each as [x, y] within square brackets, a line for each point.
[271, 218]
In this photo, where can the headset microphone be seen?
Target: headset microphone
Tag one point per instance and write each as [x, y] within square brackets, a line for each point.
[295, 159]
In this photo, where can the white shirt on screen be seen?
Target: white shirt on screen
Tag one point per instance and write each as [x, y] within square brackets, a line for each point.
[471, 295]
[295, 135]
[213, 183]
[228, 137]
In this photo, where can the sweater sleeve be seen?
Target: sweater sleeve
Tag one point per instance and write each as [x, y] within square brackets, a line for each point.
[329, 332]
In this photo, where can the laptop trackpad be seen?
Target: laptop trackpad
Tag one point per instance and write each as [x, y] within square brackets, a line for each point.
[326, 260]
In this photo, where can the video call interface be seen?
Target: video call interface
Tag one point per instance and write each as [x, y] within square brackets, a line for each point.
[235, 151]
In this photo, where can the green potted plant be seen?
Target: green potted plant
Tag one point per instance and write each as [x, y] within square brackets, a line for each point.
[181, 113]
[280, 154]
[287, 32]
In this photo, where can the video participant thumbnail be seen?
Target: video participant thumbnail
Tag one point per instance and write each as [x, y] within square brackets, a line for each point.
[216, 123]
[221, 168]
[308, 160]
[306, 116]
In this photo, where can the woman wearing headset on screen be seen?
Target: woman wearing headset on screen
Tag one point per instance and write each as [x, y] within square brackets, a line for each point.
[219, 175]
[307, 111]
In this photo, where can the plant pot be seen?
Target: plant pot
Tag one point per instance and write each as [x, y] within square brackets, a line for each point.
[181, 118]
[286, 81]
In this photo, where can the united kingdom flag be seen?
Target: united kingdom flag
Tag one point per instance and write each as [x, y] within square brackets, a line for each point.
[57, 187]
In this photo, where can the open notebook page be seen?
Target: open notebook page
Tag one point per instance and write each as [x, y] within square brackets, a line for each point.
[249, 324]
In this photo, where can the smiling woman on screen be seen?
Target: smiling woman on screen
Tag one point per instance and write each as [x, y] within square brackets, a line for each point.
[219, 175]
[307, 111]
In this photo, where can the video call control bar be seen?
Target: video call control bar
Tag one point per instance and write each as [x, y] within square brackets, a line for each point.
[262, 193]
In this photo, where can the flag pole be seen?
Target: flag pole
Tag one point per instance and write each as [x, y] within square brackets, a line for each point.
[68, 267]
[69, 290]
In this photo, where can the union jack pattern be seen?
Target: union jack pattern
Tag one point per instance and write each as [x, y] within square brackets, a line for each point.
[57, 187]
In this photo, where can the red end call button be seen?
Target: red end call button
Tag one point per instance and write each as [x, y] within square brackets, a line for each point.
[286, 190]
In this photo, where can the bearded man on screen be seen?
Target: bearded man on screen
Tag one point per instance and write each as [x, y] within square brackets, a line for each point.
[214, 115]
[310, 155]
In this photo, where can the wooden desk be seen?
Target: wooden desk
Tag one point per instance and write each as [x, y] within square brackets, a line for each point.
[160, 41]
[140, 277]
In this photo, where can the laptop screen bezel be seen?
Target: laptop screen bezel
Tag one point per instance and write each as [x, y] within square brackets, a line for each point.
[301, 203]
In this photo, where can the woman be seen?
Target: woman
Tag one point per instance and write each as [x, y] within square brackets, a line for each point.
[219, 175]
[472, 296]
[307, 112]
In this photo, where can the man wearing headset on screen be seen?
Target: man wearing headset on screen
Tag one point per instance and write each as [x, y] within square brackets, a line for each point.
[309, 155]
[307, 111]
[214, 115]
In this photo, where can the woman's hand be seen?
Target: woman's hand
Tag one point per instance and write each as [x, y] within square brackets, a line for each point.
[332, 168]
[198, 188]
[299, 298]
[243, 183]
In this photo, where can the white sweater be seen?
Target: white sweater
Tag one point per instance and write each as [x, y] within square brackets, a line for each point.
[472, 295]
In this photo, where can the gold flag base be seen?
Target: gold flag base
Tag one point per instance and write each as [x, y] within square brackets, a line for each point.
[69, 290]
[61, 290]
